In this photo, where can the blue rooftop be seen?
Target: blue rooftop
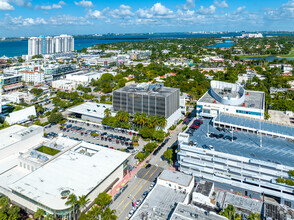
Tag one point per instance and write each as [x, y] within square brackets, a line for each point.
[251, 123]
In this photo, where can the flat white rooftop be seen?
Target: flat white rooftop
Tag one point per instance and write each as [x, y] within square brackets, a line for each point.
[78, 170]
[6, 138]
[92, 109]
[14, 134]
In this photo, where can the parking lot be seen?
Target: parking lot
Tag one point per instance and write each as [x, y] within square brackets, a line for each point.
[106, 136]
[276, 150]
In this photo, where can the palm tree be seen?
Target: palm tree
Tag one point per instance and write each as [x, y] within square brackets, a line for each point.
[125, 116]
[137, 117]
[72, 201]
[254, 216]
[143, 119]
[83, 200]
[107, 113]
[162, 121]
[109, 214]
[119, 115]
[48, 217]
[39, 213]
[32, 117]
[95, 212]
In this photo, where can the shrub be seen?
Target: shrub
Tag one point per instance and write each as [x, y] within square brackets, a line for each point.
[173, 127]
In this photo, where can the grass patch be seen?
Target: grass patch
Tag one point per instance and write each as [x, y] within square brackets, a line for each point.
[289, 55]
[48, 150]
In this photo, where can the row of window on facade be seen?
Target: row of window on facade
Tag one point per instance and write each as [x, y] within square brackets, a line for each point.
[26, 166]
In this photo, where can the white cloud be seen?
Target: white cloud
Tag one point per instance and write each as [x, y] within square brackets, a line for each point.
[61, 3]
[189, 4]
[159, 9]
[221, 4]
[22, 3]
[83, 3]
[156, 11]
[5, 6]
[207, 11]
[49, 7]
[95, 14]
[124, 11]
[239, 10]
[12, 22]
[284, 12]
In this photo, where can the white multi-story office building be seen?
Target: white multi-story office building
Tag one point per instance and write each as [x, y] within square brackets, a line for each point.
[35, 46]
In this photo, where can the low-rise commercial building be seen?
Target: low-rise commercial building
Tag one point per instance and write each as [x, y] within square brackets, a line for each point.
[90, 111]
[223, 97]
[85, 169]
[64, 85]
[171, 188]
[39, 173]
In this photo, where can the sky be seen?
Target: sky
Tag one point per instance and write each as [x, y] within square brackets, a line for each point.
[54, 17]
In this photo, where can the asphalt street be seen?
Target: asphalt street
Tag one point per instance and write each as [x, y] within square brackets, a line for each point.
[142, 180]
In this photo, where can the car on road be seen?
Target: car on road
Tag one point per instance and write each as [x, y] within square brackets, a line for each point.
[148, 166]
[145, 194]
[151, 186]
[131, 213]
[138, 203]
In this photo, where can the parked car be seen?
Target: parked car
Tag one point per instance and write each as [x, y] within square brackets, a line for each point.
[145, 194]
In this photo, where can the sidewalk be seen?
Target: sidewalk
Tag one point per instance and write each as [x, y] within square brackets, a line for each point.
[130, 174]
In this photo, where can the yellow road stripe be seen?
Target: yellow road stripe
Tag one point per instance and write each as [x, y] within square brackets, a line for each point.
[137, 192]
[133, 188]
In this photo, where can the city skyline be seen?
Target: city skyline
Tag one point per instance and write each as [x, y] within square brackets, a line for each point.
[30, 18]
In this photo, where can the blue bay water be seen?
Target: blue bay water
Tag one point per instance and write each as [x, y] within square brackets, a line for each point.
[20, 47]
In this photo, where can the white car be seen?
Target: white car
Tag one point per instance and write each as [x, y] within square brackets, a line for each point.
[210, 147]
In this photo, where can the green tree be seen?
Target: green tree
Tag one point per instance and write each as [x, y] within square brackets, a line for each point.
[36, 91]
[13, 212]
[55, 117]
[94, 213]
[72, 202]
[254, 216]
[168, 154]
[140, 156]
[107, 113]
[162, 121]
[108, 214]
[32, 117]
[83, 200]
[48, 217]
[103, 199]
[39, 214]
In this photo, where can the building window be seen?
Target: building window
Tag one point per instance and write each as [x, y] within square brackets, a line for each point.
[20, 164]
[28, 167]
[287, 203]
[24, 165]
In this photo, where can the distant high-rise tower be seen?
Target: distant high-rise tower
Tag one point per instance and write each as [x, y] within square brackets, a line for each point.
[35, 46]
[50, 45]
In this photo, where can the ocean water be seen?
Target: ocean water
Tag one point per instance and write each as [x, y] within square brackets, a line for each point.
[268, 58]
[20, 47]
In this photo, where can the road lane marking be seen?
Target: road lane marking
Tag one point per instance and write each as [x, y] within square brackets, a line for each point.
[134, 187]
[138, 191]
